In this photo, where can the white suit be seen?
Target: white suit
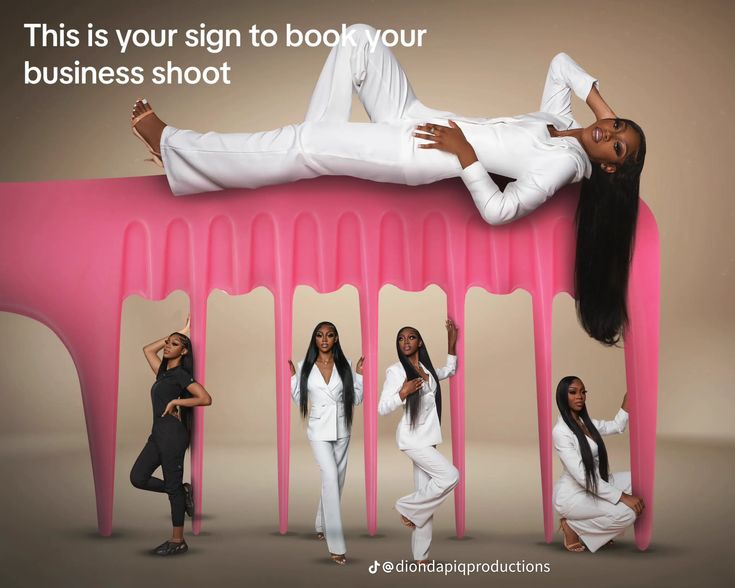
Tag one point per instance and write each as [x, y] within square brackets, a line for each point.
[329, 438]
[434, 476]
[386, 150]
[596, 518]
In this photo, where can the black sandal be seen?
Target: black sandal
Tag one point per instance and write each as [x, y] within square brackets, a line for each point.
[171, 548]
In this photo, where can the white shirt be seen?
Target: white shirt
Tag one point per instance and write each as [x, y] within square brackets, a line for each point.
[521, 147]
[427, 431]
[326, 400]
[572, 481]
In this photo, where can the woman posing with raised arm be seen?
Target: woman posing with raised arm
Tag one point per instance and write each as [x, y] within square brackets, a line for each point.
[173, 395]
[413, 383]
[326, 390]
[413, 144]
[594, 505]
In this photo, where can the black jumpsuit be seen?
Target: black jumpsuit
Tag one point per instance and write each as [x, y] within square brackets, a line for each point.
[166, 445]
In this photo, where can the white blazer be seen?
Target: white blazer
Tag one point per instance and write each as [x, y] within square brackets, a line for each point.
[428, 430]
[572, 481]
[326, 411]
[551, 164]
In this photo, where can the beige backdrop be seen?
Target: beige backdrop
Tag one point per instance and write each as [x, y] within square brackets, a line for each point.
[667, 64]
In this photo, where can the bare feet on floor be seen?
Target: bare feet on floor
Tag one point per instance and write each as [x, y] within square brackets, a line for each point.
[148, 128]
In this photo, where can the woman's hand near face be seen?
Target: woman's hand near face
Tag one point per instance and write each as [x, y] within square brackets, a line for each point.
[599, 107]
[151, 353]
[293, 369]
[358, 367]
[451, 336]
[633, 502]
[410, 387]
[450, 139]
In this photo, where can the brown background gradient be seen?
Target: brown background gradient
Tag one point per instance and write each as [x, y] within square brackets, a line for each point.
[666, 64]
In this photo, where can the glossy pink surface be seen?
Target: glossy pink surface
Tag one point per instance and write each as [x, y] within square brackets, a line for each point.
[72, 251]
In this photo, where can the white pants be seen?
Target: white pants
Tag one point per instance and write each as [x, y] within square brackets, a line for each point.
[434, 478]
[325, 143]
[595, 520]
[332, 459]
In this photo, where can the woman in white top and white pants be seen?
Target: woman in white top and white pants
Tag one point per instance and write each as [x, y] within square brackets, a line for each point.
[408, 143]
[594, 506]
[325, 387]
[413, 384]
[535, 148]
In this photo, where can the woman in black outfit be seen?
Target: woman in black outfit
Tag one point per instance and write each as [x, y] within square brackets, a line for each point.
[173, 395]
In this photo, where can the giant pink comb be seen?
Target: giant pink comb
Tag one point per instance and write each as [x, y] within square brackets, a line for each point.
[96, 242]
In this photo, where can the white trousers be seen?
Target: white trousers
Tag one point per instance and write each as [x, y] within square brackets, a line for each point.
[434, 478]
[595, 520]
[331, 456]
[326, 143]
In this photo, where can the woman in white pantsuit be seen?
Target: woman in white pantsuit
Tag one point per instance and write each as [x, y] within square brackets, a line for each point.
[594, 505]
[409, 143]
[326, 390]
[413, 384]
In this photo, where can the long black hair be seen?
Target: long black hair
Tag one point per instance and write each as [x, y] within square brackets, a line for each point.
[606, 220]
[187, 363]
[413, 401]
[343, 369]
[562, 403]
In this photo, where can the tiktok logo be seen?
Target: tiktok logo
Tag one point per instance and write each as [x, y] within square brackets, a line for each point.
[373, 568]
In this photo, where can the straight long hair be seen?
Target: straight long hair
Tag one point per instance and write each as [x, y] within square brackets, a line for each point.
[187, 363]
[606, 220]
[413, 401]
[588, 461]
[343, 369]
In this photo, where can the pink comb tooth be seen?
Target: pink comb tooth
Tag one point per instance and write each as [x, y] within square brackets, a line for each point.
[198, 319]
[455, 311]
[283, 313]
[99, 241]
[542, 303]
[283, 289]
[641, 365]
[97, 365]
[369, 304]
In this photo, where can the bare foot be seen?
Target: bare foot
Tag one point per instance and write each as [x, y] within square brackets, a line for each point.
[150, 127]
[571, 539]
[407, 522]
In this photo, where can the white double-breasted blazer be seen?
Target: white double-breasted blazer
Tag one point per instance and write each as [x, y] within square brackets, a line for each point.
[571, 485]
[427, 431]
[326, 404]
